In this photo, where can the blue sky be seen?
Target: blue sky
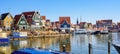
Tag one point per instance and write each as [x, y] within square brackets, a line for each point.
[88, 10]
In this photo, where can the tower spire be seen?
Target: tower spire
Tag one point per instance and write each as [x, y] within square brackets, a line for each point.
[77, 22]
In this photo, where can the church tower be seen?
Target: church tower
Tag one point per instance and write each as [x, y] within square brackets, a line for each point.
[77, 22]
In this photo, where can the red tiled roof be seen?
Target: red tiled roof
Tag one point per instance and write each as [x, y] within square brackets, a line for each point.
[29, 20]
[28, 16]
[62, 19]
[102, 21]
[57, 24]
[16, 18]
[99, 22]
[118, 23]
[52, 23]
[82, 23]
[107, 20]
[43, 17]
[48, 20]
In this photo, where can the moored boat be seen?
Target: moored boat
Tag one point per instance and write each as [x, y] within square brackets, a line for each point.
[18, 35]
[116, 41]
[37, 51]
[3, 37]
[104, 32]
[80, 31]
[96, 32]
[117, 46]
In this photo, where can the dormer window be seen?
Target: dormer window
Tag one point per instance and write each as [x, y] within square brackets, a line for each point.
[37, 13]
[29, 16]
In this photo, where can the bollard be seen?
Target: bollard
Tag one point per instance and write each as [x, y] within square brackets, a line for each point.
[64, 48]
[108, 47]
[90, 48]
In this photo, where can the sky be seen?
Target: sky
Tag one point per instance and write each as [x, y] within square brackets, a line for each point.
[84, 10]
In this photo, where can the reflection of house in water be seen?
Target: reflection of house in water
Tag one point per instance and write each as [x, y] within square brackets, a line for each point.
[19, 44]
[5, 50]
[44, 42]
[67, 44]
[116, 37]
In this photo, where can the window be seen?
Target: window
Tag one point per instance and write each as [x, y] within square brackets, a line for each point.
[11, 22]
[65, 26]
[29, 16]
[8, 16]
[6, 22]
[22, 22]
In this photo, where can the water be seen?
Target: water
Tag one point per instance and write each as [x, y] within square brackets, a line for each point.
[77, 44]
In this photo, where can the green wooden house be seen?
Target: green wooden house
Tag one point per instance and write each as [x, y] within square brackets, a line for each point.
[21, 22]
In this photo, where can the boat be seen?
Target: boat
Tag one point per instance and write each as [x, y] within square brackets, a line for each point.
[3, 37]
[97, 32]
[37, 51]
[18, 35]
[117, 47]
[80, 31]
[116, 41]
[104, 32]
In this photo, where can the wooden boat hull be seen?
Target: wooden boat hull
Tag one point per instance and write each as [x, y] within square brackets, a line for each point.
[117, 48]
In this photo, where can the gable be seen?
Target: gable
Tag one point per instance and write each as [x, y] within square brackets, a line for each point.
[65, 24]
[22, 21]
[8, 18]
[61, 19]
[16, 18]
[29, 16]
[3, 16]
[36, 17]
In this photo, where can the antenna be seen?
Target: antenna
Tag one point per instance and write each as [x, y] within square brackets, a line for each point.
[9, 10]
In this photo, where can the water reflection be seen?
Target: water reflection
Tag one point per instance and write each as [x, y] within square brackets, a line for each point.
[77, 44]
[5, 48]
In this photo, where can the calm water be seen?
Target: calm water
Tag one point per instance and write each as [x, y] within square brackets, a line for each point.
[77, 44]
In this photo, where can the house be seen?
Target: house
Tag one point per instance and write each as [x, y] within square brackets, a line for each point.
[65, 23]
[57, 24]
[83, 25]
[53, 25]
[43, 21]
[118, 24]
[33, 19]
[90, 26]
[6, 21]
[104, 24]
[48, 24]
[21, 22]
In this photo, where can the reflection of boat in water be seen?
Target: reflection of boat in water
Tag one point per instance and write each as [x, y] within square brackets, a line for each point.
[116, 42]
[3, 37]
[4, 44]
[37, 51]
